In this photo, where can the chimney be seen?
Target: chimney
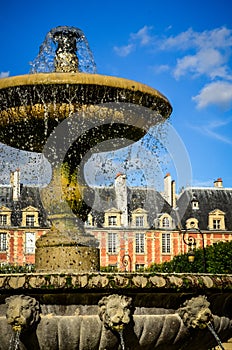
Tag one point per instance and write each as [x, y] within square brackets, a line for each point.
[15, 184]
[121, 197]
[218, 182]
[173, 184]
[168, 188]
[169, 193]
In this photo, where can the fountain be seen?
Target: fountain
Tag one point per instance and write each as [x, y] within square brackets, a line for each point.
[64, 110]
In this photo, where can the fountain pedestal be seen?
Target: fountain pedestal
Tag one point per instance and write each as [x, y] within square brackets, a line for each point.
[57, 252]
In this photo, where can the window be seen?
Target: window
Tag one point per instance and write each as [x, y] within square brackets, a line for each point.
[3, 219]
[139, 243]
[216, 220]
[89, 221]
[30, 243]
[112, 220]
[191, 223]
[30, 220]
[3, 245]
[165, 222]
[139, 221]
[139, 218]
[195, 205]
[216, 224]
[166, 243]
[30, 217]
[112, 242]
[112, 217]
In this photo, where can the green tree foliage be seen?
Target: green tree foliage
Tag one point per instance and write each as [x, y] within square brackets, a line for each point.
[218, 260]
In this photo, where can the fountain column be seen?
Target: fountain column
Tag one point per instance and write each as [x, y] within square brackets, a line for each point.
[66, 247]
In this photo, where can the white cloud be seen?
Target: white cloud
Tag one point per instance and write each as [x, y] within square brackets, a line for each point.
[211, 130]
[204, 54]
[217, 38]
[208, 62]
[140, 38]
[210, 52]
[161, 69]
[217, 93]
[124, 51]
[4, 74]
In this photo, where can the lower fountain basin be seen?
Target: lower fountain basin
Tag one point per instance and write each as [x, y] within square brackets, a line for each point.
[69, 310]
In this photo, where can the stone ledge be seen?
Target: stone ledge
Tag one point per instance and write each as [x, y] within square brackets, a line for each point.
[108, 281]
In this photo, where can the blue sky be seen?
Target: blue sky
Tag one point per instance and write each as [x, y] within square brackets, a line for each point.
[181, 48]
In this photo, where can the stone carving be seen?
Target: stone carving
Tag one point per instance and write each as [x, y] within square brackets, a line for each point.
[114, 311]
[196, 313]
[23, 312]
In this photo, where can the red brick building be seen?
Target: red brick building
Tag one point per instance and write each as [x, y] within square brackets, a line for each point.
[135, 226]
[22, 221]
[148, 231]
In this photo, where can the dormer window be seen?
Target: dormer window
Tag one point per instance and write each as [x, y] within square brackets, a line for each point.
[139, 218]
[165, 221]
[3, 219]
[30, 220]
[112, 217]
[195, 204]
[216, 220]
[112, 220]
[5, 216]
[30, 217]
[139, 221]
[192, 223]
[216, 224]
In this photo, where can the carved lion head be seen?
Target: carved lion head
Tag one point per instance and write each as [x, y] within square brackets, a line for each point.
[23, 312]
[114, 311]
[195, 312]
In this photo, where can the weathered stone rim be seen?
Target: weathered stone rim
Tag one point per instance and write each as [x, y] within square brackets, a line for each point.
[98, 281]
[161, 102]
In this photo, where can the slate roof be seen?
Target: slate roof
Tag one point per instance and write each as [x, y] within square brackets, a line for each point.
[208, 200]
[29, 196]
[137, 197]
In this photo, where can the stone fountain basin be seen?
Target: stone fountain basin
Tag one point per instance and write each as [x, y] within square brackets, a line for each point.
[69, 309]
[33, 105]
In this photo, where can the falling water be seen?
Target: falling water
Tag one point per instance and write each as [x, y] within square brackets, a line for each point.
[122, 339]
[210, 327]
[14, 341]
[44, 62]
